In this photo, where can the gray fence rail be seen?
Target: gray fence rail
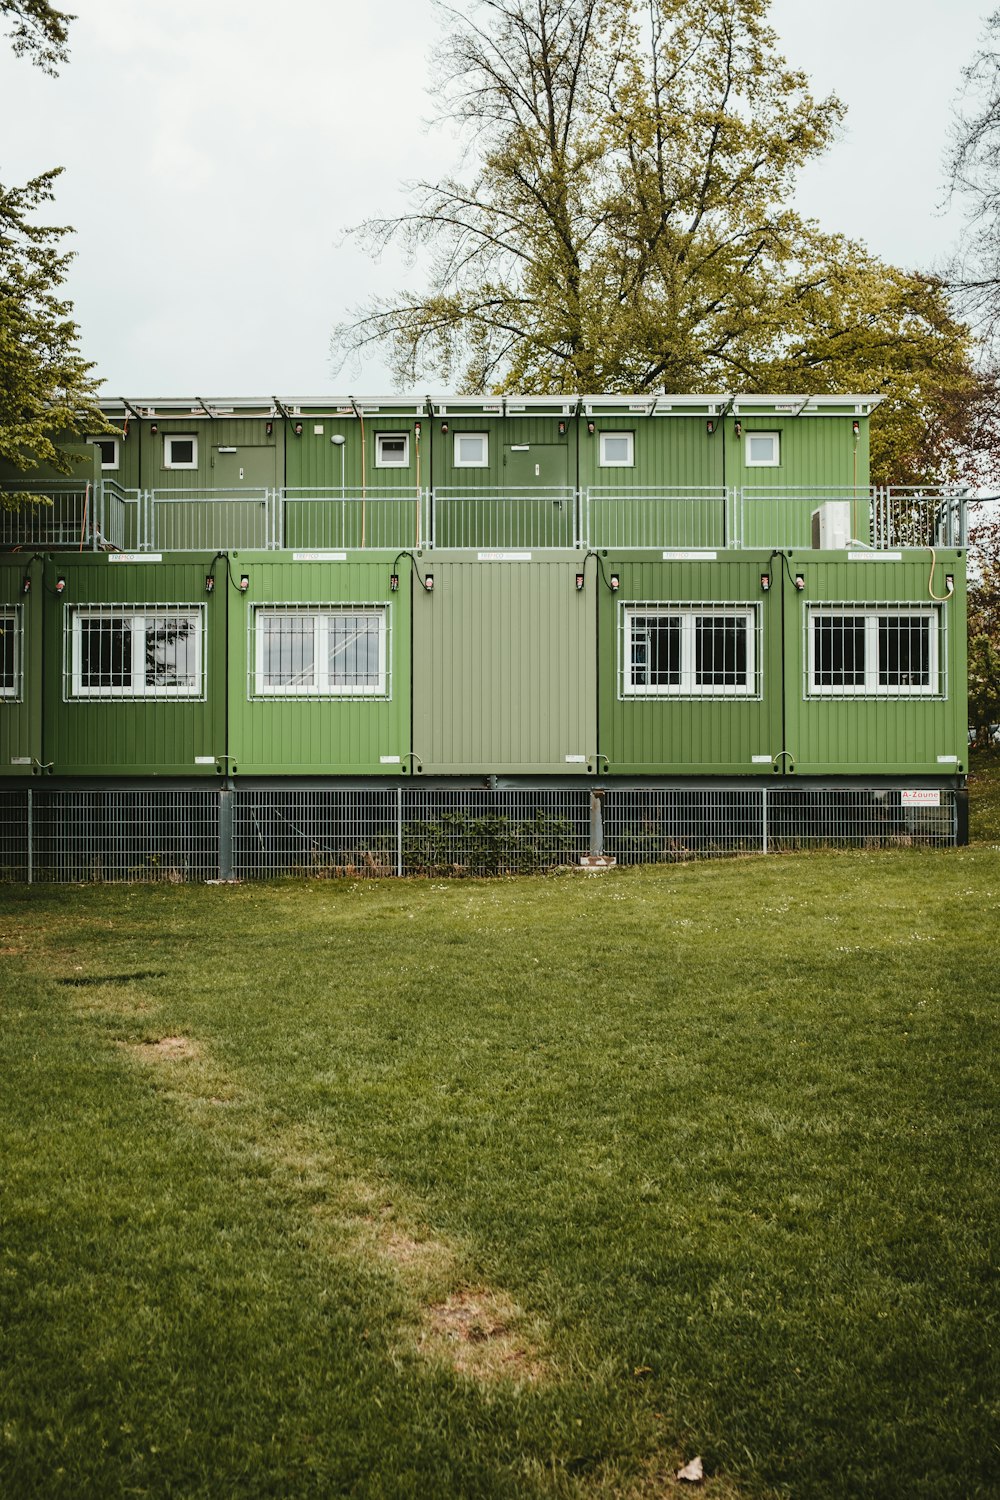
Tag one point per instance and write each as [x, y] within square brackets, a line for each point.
[198, 834]
[105, 517]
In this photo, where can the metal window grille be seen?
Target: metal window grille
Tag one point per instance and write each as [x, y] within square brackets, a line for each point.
[319, 651]
[11, 652]
[126, 651]
[875, 651]
[689, 650]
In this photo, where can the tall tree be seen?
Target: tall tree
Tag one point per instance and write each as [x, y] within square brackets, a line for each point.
[627, 224]
[47, 391]
[974, 179]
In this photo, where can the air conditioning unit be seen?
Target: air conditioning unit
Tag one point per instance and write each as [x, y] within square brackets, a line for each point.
[831, 526]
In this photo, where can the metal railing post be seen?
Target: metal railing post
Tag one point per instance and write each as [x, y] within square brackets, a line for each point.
[399, 830]
[763, 819]
[225, 833]
[31, 835]
[597, 820]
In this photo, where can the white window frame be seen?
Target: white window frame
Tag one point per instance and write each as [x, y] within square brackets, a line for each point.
[763, 463]
[321, 687]
[381, 462]
[871, 614]
[107, 468]
[12, 618]
[183, 437]
[139, 617]
[616, 463]
[688, 613]
[479, 463]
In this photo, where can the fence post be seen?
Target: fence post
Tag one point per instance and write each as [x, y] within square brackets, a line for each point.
[31, 836]
[399, 830]
[763, 818]
[597, 820]
[226, 833]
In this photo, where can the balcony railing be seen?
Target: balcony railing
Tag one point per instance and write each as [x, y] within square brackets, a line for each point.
[106, 517]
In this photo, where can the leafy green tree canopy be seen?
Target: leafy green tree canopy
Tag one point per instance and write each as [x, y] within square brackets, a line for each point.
[37, 30]
[46, 388]
[626, 224]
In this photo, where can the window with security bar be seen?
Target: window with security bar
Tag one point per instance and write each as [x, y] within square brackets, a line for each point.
[874, 651]
[319, 651]
[689, 650]
[115, 651]
[11, 651]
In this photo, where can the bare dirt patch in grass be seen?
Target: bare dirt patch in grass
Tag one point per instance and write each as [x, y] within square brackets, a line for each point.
[480, 1333]
[167, 1049]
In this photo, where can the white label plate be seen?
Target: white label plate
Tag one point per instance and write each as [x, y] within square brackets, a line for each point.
[576, 760]
[690, 556]
[947, 760]
[389, 760]
[504, 556]
[135, 557]
[920, 797]
[874, 557]
[761, 760]
[319, 557]
[204, 760]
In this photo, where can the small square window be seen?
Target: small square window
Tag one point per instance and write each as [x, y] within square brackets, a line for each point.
[617, 450]
[472, 450]
[763, 450]
[180, 451]
[392, 450]
[108, 448]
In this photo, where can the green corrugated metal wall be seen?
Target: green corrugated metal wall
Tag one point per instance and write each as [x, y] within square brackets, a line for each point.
[503, 669]
[687, 735]
[328, 736]
[513, 671]
[148, 737]
[888, 736]
[21, 713]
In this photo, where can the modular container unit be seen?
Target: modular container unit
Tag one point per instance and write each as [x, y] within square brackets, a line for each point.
[875, 664]
[505, 474]
[134, 666]
[21, 663]
[503, 668]
[319, 665]
[689, 665]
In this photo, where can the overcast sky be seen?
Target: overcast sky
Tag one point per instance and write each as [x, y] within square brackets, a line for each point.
[215, 150]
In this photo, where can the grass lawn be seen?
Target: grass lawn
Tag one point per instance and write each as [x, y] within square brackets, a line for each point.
[533, 1187]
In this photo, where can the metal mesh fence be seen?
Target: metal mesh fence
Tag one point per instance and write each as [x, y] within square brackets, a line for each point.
[292, 831]
[14, 835]
[140, 835]
[183, 834]
[469, 831]
[653, 825]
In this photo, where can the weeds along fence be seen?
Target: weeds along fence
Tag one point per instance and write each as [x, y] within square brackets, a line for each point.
[200, 834]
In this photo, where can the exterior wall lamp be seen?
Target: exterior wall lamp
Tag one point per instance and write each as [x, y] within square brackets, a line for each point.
[614, 583]
[60, 585]
[765, 582]
[579, 582]
[393, 582]
[244, 582]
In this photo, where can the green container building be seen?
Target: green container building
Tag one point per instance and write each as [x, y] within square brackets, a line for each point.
[602, 591]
